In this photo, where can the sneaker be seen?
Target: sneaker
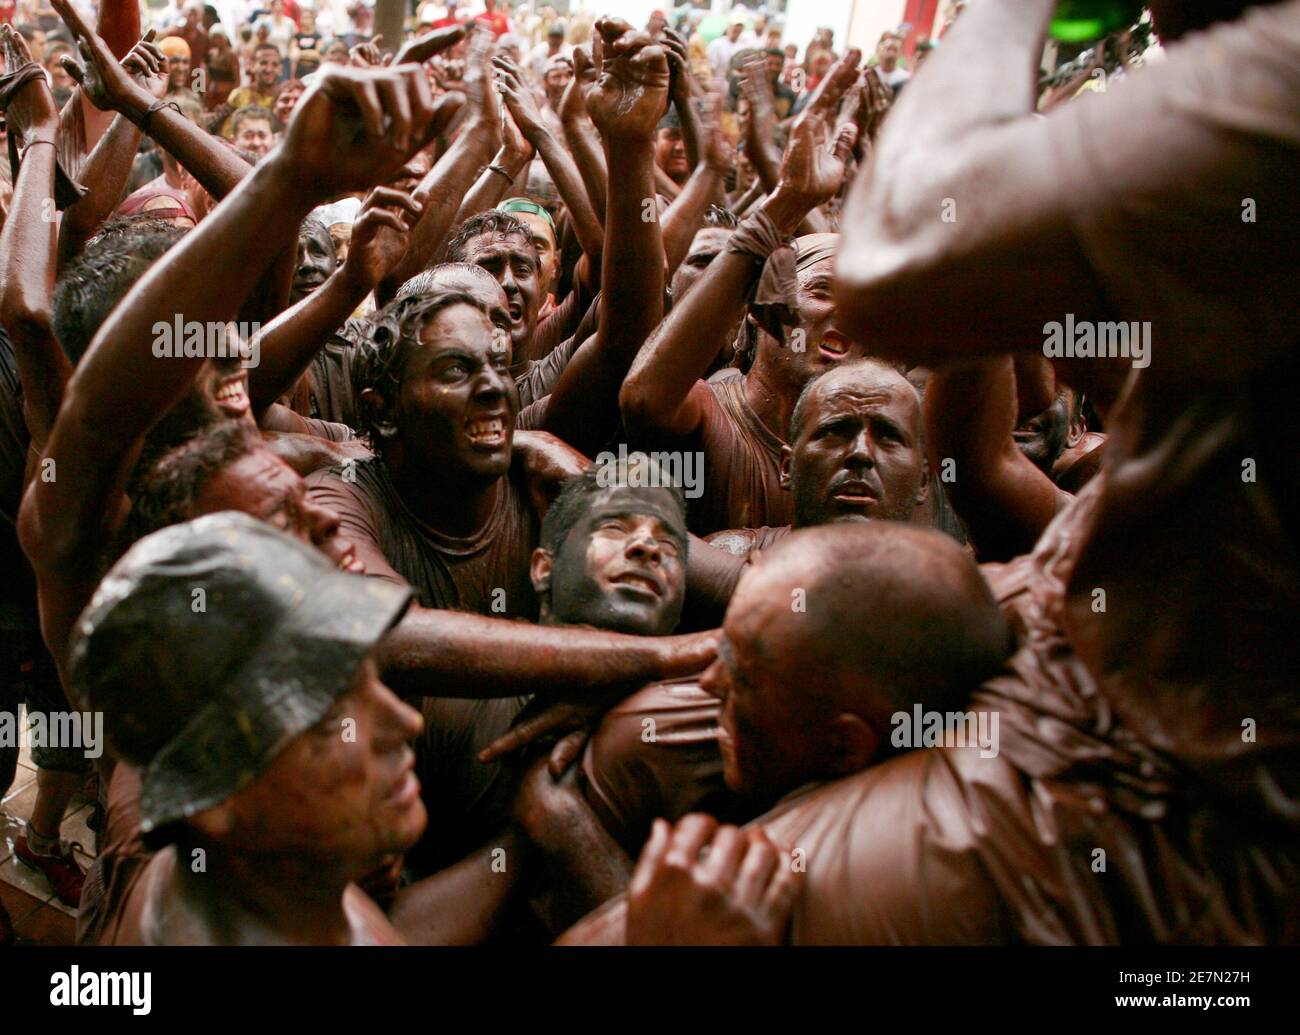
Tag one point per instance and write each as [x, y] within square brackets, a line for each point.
[62, 870]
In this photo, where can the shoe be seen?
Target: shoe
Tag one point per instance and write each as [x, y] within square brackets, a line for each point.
[6, 928]
[62, 871]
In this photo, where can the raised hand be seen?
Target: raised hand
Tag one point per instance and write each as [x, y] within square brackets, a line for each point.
[679, 86]
[354, 128]
[573, 104]
[31, 109]
[366, 54]
[380, 236]
[718, 152]
[105, 81]
[480, 95]
[518, 97]
[424, 47]
[148, 66]
[631, 95]
[740, 893]
[817, 155]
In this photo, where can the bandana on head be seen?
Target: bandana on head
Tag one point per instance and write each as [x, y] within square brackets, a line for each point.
[775, 305]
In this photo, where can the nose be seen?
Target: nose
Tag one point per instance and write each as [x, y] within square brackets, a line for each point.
[322, 523]
[641, 545]
[860, 454]
[396, 722]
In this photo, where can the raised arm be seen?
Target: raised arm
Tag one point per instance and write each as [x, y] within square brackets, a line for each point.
[27, 246]
[583, 139]
[1005, 501]
[441, 192]
[964, 138]
[626, 105]
[107, 83]
[660, 393]
[379, 240]
[350, 129]
[685, 215]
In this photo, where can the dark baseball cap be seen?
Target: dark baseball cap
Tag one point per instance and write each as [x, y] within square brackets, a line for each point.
[211, 645]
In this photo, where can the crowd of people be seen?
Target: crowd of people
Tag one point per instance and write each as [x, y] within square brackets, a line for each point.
[544, 480]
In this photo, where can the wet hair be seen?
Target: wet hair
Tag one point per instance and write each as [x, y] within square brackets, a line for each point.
[426, 281]
[721, 218]
[574, 499]
[394, 335]
[801, 404]
[90, 287]
[671, 120]
[166, 490]
[249, 113]
[491, 221]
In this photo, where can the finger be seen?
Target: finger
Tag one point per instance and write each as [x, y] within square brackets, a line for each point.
[444, 110]
[652, 858]
[690, 835]
[70, 15]
[782, 892]
[378, 217]
[527, 731]
[149, 36]
[838, 80]
[70, 65]
[391, 197]
[761, 860]
[366, 97]
[397, 107]
[844, 141]
[566, 752]
[726, 853]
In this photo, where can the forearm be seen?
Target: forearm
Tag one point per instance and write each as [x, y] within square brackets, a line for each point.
[289, 342]
[686, 214]
[584, 407]
[27, 247]
[568, 182]
[441, 193]
[462, 904]
[584, 144]
[441, 653]
[218, 168]
[491, 186]
[679, 351]
[121, 387]
[106, 173]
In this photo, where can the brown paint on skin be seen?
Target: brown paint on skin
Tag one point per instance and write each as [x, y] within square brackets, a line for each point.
[858, 450]
[670, 155]
[621, 567]
[512, 261]
[459, 377]
[264, 486]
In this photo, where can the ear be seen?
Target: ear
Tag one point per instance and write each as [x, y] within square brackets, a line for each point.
[787, 459]
[539, 570]
[923, 491]
[376, 407]
[1078, 428]
[851, 744]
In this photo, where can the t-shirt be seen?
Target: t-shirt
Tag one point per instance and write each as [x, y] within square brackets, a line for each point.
[333, 375]
[656, 754]
[486, 573]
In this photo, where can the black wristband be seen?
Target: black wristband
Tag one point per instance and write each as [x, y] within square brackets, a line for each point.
[157, 106]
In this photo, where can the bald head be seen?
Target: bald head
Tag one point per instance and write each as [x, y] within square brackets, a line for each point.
[855, 447]
[833, 631]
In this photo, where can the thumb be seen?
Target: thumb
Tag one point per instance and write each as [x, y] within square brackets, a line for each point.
[844, 141]
[70, 65]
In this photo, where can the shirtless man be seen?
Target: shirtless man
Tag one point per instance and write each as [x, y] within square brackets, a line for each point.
[739, 424]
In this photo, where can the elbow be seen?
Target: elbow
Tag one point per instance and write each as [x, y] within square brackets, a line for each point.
[635, 403]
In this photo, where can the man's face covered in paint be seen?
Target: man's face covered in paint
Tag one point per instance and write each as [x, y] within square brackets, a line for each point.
[816, 343]
[316, 261]
[513, 262]
[622, 566]
[458, 402]
[344, 792]
[857, 451]
[1044, 438]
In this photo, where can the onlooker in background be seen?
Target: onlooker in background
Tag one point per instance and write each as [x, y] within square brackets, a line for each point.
[888, 51]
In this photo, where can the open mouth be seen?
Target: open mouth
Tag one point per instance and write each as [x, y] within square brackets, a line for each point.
[516, 312]
[232, 395]
[406, 788]
[834, 346]
[486, 432]
[855, 495]
[638, 583]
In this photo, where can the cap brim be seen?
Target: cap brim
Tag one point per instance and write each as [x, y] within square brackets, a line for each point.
[299, 669]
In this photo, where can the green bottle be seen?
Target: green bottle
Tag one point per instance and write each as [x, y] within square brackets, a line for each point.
[1082, 21]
